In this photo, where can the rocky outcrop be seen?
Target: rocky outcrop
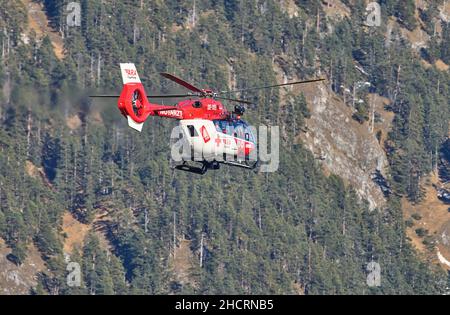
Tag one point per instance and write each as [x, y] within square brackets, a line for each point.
[19, 279]
[345, 147]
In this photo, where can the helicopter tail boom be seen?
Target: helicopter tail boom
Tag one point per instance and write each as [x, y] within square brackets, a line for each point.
[133, 101]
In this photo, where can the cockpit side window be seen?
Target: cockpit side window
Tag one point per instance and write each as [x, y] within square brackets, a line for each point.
[248, 133]
[192, 131]
[239, 130]
[243, 130]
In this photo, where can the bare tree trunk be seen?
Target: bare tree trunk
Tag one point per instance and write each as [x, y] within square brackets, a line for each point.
[331, 75]
[91, 68]
[112, 174]
[66, 166]
[39, 131]
[242, 25]
[354, 95]
[201, 252]
[437, 158]
[7, 44]
[74, 176]
[194, 14]
[309, 260]
[29, 122]
[372, 127]
[259, 217]
[146, 220]
[318, 22]
[134, 33]
[99, 68]
[305, 34]
[3, 50]
[174, 233]
[343, 222]
[397, 84]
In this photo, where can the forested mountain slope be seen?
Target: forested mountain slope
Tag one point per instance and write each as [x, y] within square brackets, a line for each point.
[77, 185]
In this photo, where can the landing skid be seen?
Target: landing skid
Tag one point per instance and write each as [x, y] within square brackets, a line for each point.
[214, 165]
[192, 169]
[242, 165]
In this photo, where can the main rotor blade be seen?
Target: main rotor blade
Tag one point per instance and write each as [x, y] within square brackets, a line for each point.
[104, 96]
[148, 96]
[233, 100]
[181, 82]
[272, 86]
[171, 95]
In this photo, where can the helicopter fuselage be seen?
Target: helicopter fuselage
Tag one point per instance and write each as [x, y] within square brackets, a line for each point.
[211, 130]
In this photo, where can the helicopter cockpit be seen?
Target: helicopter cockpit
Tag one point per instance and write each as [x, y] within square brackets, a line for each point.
[236, 127]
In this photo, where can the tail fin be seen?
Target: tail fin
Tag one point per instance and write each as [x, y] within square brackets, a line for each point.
[129, 73]
[133, 101]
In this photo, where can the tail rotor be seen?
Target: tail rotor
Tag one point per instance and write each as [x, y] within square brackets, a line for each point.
[133, 102]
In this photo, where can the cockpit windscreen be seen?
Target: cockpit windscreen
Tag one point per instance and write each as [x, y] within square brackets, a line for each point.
[237, 128]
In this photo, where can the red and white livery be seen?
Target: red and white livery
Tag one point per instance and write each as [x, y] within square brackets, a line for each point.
[212, 134]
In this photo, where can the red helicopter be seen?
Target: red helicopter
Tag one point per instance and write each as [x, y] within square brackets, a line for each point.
[212, 134]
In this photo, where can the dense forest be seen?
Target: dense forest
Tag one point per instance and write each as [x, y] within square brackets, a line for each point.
[295, 230]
